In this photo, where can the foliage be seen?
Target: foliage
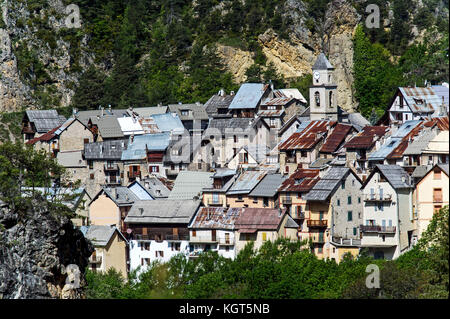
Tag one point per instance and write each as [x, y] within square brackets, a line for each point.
[302, 84]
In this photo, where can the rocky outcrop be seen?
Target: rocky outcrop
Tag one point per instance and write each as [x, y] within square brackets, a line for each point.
[235, 60]
[41, 255]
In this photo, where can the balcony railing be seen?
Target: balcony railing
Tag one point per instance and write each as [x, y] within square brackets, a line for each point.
[111, 167]
[316, 223]
[377, 197]
[346, 241]
[202, 239]
[177, 237]
[377, 229]
[113, 181]
[212, 202]
[226, 241]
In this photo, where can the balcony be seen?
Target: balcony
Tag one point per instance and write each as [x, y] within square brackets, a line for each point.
[316, 223]
[111, 167]
[286, 200]
[177, 237]
[226, 241]
[378, 197]
[203, 239]
[95, 259]
[378, 229]
[113, 181]
[212, 202]
[346, 241]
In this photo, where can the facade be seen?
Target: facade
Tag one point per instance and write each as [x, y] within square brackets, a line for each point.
[239, 193]
[216, 196]
[387, 228]
[430, 195]
[110, 249]
[437, 150]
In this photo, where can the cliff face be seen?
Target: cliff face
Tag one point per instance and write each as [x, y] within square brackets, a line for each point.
[38, 254]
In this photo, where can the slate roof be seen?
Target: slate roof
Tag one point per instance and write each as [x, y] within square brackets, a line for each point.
[322, 63]
[328, 184]
[130, 125]
[106, 150]
[419, 144]
[168, 122]
[246, 182]
[268, 186]
[259, 219]
[100, 235]
[444, 167]
[145, 112]
[358, 121]
[71, 159]
[308, 137]
[164, 211]
[420, 171]
[228, 125]
[152, 142]
[189, 184]
[215, 218]
[84, 116]
[431, 102]
[121, 195]
[336, 138]
[248, 96]
[108, 126]
[218, 102]
[197, 111]
[153, 184]
[302, 180]
[394, 175]
[45, 120]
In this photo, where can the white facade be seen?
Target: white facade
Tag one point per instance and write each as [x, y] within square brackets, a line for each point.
[202, 240]
[399, 111]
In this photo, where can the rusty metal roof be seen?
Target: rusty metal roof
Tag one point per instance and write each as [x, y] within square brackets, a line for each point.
[441, 122]
[421, 99]
[216, 218]
[276, 101]
[336, 138]
[309, 136]
[259, 218]
[43, 138]
[400, 149]
[302, 180]
[366, 138]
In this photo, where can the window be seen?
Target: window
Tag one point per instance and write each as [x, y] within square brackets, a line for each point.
[86, 141]
[199, 165]
[437, 195]
[406, 117]
[154, 169]
[194, 233]
[320, 250]
[338, 202]
[331, 99]
[359, 200]
[91, 176]
[317, 98]
[265, 202]
[343, 185]
[235, 138]
[349, 200]
[354, 231]
[349, 216]
[145, 246]
[240, 197]
[437, 173]
[91, 164]
[264, 236]
[159, 253]
[303, 153]
[184, 112]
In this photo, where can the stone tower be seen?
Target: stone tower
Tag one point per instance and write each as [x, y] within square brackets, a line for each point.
[323, 93]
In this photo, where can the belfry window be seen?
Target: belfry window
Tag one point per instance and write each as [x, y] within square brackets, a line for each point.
[331, 99]
[317, 98]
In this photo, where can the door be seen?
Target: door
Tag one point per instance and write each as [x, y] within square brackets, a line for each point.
[213, 235]
[175, 233]
[227, 238]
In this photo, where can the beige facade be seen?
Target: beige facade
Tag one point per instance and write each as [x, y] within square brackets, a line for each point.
[103, 211]
[74, 137]
[101, 172]
[430, 195]
[215, 199]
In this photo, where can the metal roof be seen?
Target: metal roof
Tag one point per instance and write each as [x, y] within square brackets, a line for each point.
[100, 235]
[328, 184]
[218, 102]
[215, 218]
[121, 195]
[141, 192]
[189, 184]
[145, 112]
[45, 120]
[130, 125]
[322, 63]
[309, 136]
[268, 186]
[84, 116]
[336, 138]
[248, 96]
[417, 146]
[442, 91]
[44, 137]
[270, 113]
[421, 99]
[366, 138]
[358, 121]
[108, 126]
[277, 101]
[196, 111]
[152, 142]
[164, 211]
[155, 187]
[168, 122]
[246, 182]
[259, 219]
[294, 93]
[71, 159]
[106, 150]
[420, 171]
[228, 125]
[441, 122]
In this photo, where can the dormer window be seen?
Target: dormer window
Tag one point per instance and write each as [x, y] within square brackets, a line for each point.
[418, 101]
[184, 112]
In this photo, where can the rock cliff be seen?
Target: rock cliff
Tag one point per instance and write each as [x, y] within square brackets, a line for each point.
[41, 255]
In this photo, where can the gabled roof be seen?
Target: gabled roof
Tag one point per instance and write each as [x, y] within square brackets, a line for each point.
[215, 218]
[322, 63]
[396, 176]
[248, 96]
[257, 151]
[141, 192]
[164, 211]
[421, 99]
[419, 144]
[358, 121]
[106, 150]
[137, 149]
[366, 138]
[45, 120]
[420, 171]
[218, 102]
[309, 136]
[294, 93]
[44, 137]
[196, 111]
[169, 122]
[255, 219]
[246, 182]
[229, 125]
[190, 184]
[430, 168]
[154, 186]
[328, 184]
[120, 195]
[302, 180]
[288, 123]
[268, 186]
[130, 125]
[100, 235]
[336, 138]
[108, 126]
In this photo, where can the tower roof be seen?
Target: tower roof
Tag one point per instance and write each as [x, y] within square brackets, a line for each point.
[322, 63]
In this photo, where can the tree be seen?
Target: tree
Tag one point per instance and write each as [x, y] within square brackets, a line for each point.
[91, 91]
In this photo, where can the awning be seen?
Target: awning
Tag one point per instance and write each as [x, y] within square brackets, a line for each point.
[248, 230]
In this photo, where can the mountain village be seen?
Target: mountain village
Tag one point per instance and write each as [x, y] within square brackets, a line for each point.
[254, 165]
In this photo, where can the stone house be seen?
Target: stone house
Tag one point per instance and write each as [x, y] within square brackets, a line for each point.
[239, 193]
[35, 123]
[215, 195]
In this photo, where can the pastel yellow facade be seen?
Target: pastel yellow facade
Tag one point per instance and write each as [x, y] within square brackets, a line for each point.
[431, 194]
[103, 211]
[113, 255]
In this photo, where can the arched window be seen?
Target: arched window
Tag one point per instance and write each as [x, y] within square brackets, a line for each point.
[317, 98]
[331, 99]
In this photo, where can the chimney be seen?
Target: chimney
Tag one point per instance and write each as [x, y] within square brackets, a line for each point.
[271, 85]
[109, 108]
[198, 103]
[102, 110]
[280, 212]
[114, 193]
[232, 93]
[141, 210]
[75, 112]
[208, 217]
[221, 92]
[131, 138]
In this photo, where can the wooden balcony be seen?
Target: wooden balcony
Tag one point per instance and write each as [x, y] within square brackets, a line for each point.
[316, 223]
[177, 237]
[111, 167]
[377, 229]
